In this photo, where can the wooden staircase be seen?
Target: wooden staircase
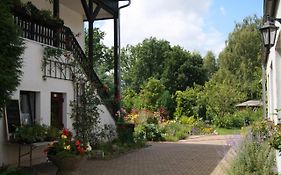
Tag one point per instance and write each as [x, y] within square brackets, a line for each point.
[60, 36]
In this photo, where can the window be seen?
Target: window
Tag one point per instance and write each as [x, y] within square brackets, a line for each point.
[28, 107]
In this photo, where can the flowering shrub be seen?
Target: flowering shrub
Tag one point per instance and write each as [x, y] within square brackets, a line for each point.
[120, 115]
[67, 145]
[275, 140]
[143, 116]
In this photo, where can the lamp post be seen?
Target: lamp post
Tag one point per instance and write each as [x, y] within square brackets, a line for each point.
[268, 31]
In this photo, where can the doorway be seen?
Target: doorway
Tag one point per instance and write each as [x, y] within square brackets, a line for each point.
[57, 110]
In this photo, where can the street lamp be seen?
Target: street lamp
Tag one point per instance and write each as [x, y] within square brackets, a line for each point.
[268, 31]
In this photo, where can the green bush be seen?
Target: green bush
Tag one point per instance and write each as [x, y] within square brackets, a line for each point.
[149, 132]
[11, 49]
[153, 132]
[174, 131]
[253, 158]
[140, 133]
[261, 129]
[187, 120]
[35, 133]
[237, 119]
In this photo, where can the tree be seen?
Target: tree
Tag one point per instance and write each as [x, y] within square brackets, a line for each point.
[146, 60]
[151, 92]
[103, 59]
[182, 69]
[222, 96]
[210, 64]
[190, 103]
[11, 49]
[242, 56]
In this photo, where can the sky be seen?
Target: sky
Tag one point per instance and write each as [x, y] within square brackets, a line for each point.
[195, 25]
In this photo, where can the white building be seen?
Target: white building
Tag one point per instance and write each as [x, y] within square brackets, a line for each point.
[272, 9]
[46, 89]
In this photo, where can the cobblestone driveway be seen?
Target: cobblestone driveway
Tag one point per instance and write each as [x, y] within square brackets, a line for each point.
[195, 156]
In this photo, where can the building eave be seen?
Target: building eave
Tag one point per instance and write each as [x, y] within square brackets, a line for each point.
[270, 8]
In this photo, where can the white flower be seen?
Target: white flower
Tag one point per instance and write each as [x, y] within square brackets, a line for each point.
[89, 148]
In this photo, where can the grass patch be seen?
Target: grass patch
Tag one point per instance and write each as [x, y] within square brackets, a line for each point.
[225, 131]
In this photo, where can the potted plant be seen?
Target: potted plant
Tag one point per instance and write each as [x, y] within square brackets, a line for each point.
[67, 153]
[125, 130]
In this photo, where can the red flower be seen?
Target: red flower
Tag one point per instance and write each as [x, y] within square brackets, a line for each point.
[81, 150]
[65, 132]
[77, 143]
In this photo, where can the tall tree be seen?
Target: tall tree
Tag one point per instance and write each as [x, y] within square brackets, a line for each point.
[182, 69]
[210, 64]
[148, 60]
[221, 95]
[11, 49]
[103, 59]
[242, 56]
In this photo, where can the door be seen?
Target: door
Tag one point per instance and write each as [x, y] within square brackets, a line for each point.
[56, 110]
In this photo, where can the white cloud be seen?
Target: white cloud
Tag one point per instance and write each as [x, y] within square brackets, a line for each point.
[182, 22]
[223, 12]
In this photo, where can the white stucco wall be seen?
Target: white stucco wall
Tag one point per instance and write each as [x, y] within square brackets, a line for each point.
[32, 81]
[74, 21]
[274, 83]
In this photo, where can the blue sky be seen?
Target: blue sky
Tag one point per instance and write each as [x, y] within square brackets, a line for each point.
[196, 25]
[224, 13]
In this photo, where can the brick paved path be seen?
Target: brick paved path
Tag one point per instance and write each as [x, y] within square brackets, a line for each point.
[195, 156]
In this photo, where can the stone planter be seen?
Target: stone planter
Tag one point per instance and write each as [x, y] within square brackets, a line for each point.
[67, 165]
[125, 132]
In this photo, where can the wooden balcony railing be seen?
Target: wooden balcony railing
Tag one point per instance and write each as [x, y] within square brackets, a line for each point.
[59, 36]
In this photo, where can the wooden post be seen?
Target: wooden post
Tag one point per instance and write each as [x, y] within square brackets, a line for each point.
[117, 78]
[56, 8]
[56, 14]
[90, 39]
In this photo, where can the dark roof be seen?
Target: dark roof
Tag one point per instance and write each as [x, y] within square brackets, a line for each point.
[250, 103]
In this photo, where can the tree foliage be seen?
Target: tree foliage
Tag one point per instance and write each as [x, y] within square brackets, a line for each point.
[221, 97]
[182, 69]
[174, 66]
[242, 56]
[103, 59]
[151, 92]
[189, 103]
[147, 61]
[210, 64]
[11, 49]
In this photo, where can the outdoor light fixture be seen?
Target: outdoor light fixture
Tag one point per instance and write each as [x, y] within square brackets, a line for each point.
[269, 31]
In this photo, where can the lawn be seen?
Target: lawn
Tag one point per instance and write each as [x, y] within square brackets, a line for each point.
[225, 131]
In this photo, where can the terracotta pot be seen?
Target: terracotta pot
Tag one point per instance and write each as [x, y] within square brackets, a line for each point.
[67, 165]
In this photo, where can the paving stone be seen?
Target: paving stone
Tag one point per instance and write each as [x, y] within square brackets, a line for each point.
[198, 155]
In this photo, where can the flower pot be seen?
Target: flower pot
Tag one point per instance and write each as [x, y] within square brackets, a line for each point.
[125, 132]
[68, 165]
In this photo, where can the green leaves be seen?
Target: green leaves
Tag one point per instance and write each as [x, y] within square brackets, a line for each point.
[11, 49]
[242, 57]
